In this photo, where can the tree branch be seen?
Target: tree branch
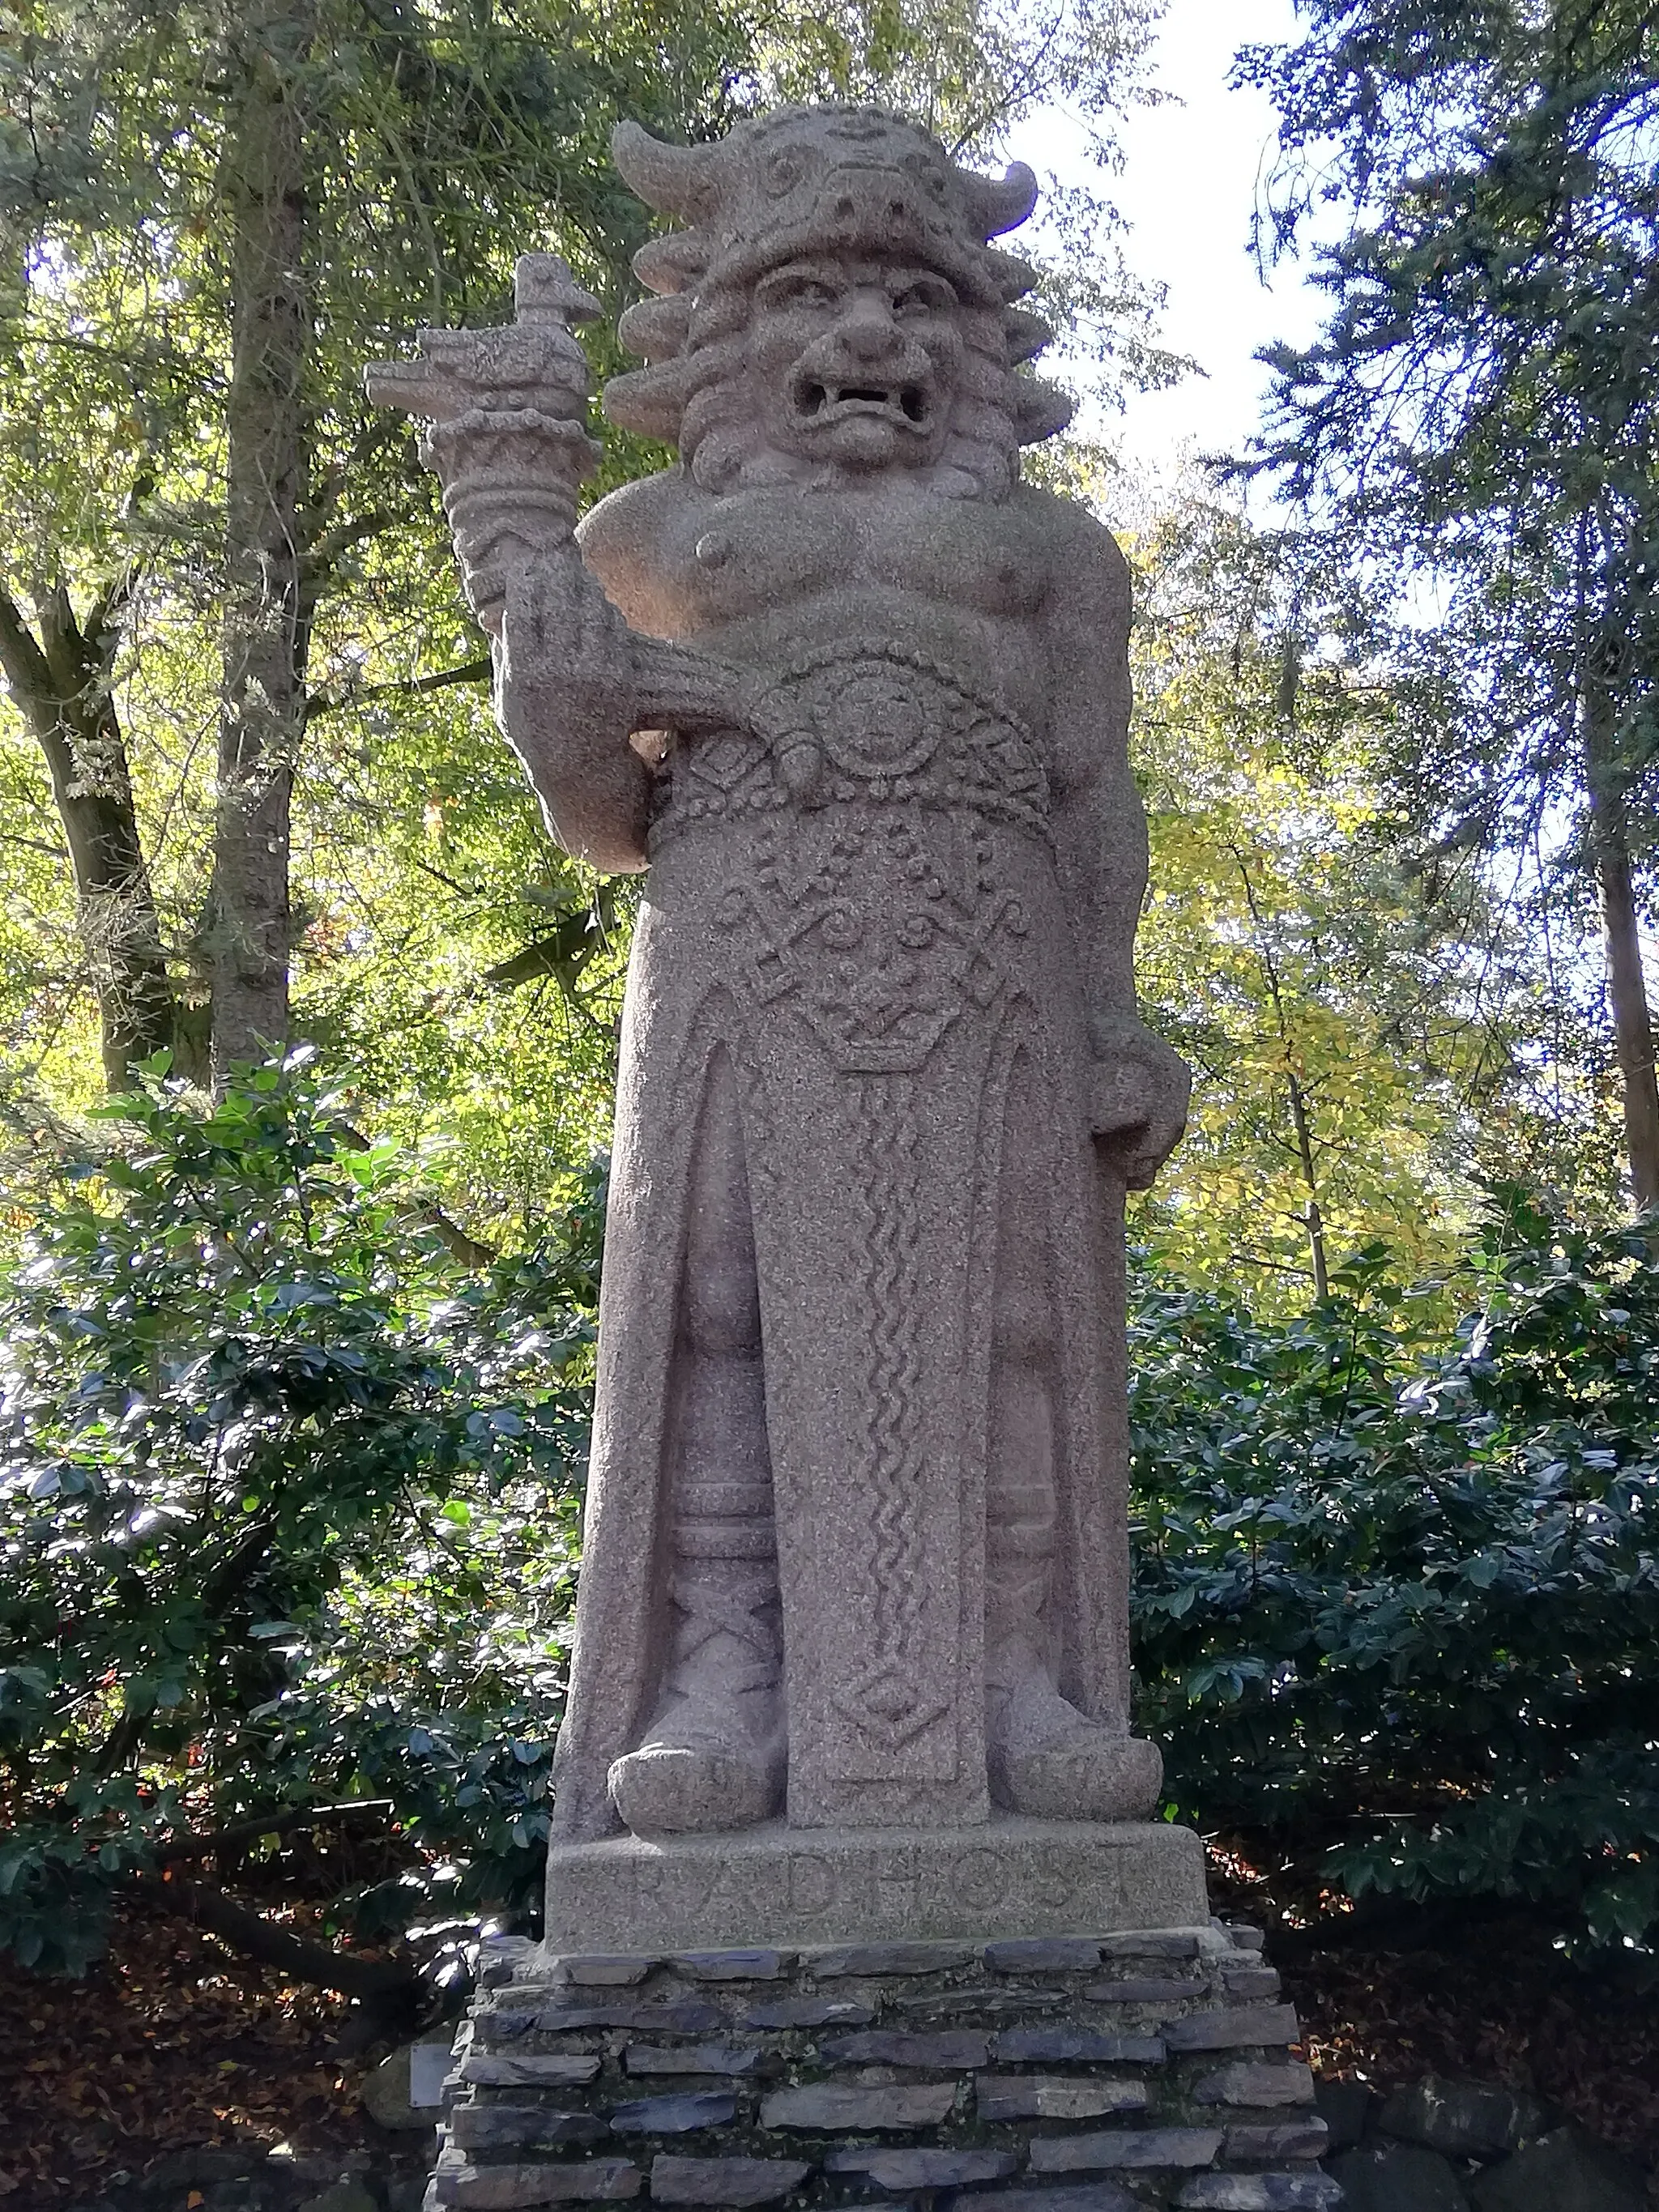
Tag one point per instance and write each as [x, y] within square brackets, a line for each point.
[323, 553]
[254, 1936]
[330, 703]
[270, 1823]
[29, 674]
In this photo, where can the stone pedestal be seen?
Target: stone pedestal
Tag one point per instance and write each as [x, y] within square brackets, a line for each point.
[796, 1886]
[1111, 2072]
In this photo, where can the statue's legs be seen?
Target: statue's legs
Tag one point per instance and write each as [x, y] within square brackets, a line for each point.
[713, 1756]
[1046, 1758]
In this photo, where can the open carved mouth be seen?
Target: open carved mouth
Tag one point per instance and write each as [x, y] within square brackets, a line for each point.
[906, 404]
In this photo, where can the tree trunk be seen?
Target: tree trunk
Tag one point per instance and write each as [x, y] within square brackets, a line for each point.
[1313, 1219]
[265, 634]
[1632, 1024]
[60, 680]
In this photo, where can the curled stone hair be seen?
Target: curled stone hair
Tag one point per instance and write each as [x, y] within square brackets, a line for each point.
[806, 180]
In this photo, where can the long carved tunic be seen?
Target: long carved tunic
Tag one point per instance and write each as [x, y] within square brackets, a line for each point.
[867, 902]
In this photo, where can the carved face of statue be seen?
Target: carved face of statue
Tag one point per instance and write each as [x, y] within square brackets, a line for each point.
[855, 363]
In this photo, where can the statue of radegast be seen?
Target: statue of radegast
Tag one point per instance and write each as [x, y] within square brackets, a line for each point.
[856, 1549]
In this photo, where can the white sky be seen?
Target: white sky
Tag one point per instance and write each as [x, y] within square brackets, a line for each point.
[1188, 189]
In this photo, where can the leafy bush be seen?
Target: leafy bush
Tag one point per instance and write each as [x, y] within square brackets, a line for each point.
[288, 1514]
[1398, 1615]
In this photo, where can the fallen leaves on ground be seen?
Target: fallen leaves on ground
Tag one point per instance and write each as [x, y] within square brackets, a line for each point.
[1503, 2012]
[1488, 1997]
[168, 2044]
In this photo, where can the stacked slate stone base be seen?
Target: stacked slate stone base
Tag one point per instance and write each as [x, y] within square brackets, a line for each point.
[1058, 2073]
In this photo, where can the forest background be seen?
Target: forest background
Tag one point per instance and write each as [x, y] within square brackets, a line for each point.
[309, 1031]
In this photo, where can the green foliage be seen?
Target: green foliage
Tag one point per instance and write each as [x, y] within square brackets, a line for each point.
[1397, 1610]
[1478, 415]
[1356, 1034]
[288, 1510]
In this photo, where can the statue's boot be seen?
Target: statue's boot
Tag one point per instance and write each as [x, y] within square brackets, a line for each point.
[713, 1756]
[1046, 1759]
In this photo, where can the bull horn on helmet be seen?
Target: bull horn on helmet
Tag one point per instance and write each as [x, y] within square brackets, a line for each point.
[999, 203]
[677, 181]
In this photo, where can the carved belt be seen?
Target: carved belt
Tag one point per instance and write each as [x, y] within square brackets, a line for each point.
[858, 725]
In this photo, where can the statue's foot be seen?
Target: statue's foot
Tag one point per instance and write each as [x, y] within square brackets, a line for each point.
[1048, 1761]
[691, 1778]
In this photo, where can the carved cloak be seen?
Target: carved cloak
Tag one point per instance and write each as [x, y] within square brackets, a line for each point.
[857, 906]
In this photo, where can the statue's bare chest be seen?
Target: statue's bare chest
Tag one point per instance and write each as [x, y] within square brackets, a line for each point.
[744, 564]
[761, 575]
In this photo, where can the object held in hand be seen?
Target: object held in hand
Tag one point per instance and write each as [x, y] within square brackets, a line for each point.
[506, 431]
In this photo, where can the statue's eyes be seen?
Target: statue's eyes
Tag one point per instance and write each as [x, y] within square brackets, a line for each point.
[922, 299]
[810, 292]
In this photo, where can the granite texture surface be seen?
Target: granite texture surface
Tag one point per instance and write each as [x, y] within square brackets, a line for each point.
[855, 1550]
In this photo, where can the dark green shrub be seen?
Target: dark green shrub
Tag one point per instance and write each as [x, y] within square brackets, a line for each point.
[286, 1512]
[1398, 1616]
[288, 1517]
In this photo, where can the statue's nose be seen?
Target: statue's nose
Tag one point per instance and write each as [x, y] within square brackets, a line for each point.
[869, 336]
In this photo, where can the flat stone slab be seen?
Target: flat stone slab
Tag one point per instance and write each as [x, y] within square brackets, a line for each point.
[683, 2016]
[1075, 2046]
[606, 1973]
[1254, 1980]
[826, 2108]
[731, 1966]
[1084, 2196]
[1144, 1988]
[734, 2183]
[1309, 2138]
[1176, 1942]
[925, 2169]
[950, 2047]
[1257, 2083]
[522, 2127]
[483, 2069]
[1056, 2096]
[693, 2058]
[1258, 2192]
[507, 2188]
[1043, 1955]
[1125, 2146]
[809, 2012]
[1227, 2031]
[674, 2116]
[779, 1887]
[908, 1958]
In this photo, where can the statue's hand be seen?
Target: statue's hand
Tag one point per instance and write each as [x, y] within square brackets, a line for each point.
[1140, 1088]
[565, 644]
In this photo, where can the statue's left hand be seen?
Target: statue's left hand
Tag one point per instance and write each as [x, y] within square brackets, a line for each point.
[1140, 1088]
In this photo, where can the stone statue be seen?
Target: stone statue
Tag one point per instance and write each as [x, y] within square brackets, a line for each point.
[856, 1538]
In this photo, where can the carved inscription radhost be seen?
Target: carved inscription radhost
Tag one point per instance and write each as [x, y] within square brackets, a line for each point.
[1033, 1878]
